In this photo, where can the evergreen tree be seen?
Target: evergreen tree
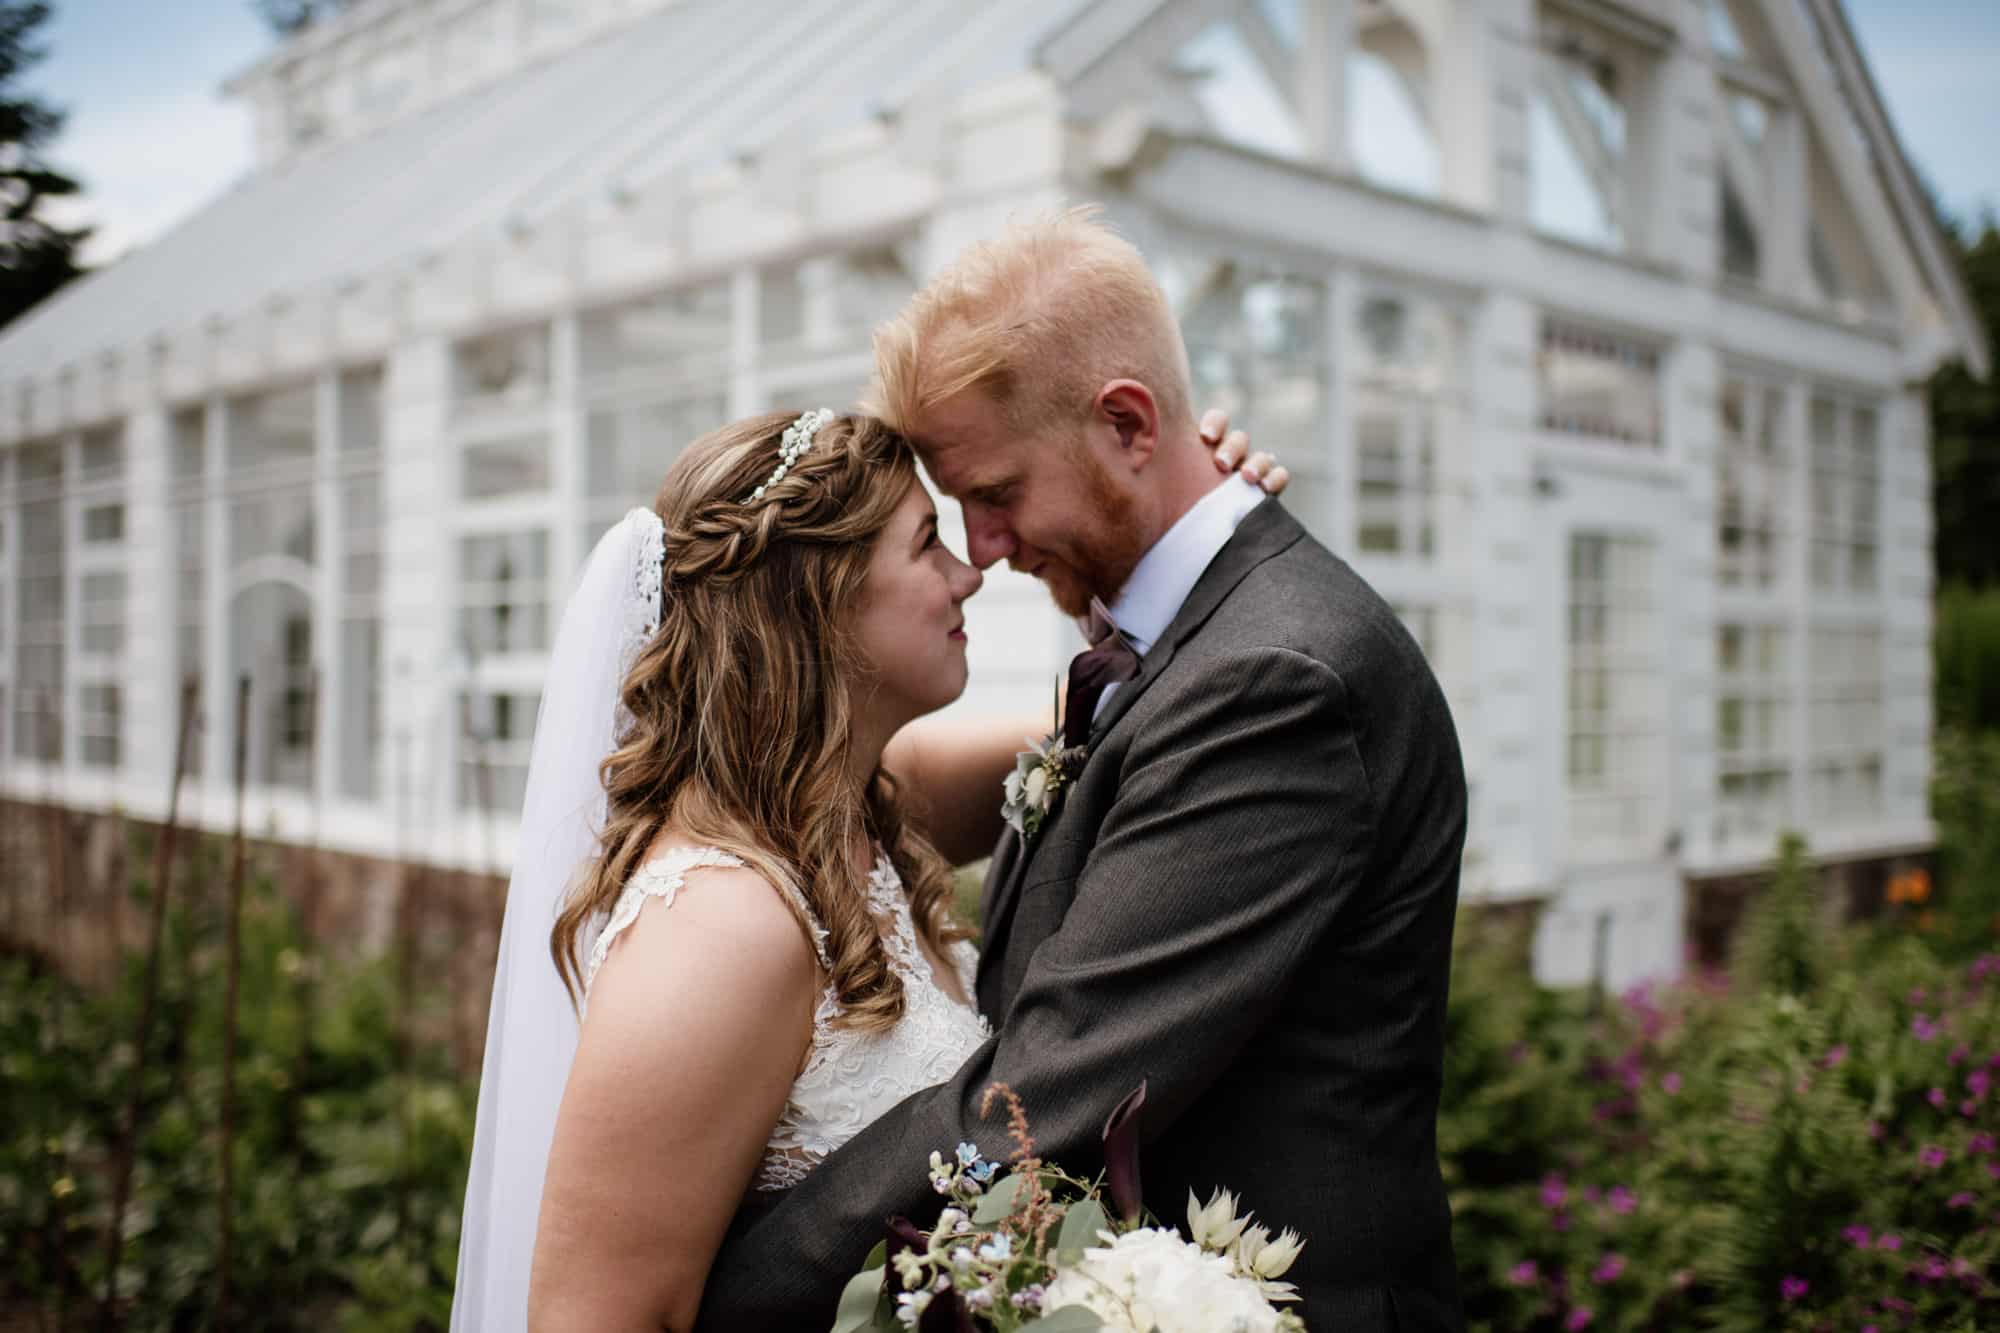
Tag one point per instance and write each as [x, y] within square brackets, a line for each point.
[36, 257]
[1965, 433]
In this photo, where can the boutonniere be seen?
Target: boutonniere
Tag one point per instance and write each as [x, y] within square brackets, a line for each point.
[1040, 773]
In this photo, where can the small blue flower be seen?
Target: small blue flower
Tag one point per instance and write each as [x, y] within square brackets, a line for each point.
[983, 1171]
[967, 1154]
[998, 1250]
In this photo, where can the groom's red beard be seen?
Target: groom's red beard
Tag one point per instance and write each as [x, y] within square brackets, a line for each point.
[1102, 558]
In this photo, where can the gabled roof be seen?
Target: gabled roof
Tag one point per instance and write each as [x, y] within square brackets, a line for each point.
[691, 85]
[1918, 222]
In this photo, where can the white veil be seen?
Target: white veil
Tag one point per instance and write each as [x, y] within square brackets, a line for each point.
[531, 1032]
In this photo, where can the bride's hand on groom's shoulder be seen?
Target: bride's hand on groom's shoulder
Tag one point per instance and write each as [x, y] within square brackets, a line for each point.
[1232, 453]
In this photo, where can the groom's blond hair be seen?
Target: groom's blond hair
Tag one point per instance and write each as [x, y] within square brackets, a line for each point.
[1038, 319]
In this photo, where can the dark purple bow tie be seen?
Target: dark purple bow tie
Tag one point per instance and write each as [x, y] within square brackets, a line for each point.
[1110, 659]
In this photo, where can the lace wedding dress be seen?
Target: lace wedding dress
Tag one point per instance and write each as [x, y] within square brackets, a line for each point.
[850, 1077]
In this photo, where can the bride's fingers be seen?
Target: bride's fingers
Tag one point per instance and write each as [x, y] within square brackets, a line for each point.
[1214, 424]
[1277, 479]
[1229, 454]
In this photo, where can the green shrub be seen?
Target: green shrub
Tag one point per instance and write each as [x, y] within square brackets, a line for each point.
[1965, 801]
[1779, 948]
[1967, 654]
[351, 1140]
[1710, 1155]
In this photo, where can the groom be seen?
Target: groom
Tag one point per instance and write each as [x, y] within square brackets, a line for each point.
[1245, 896]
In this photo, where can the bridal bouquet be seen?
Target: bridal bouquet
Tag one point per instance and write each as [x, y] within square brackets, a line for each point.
[1036, 1249]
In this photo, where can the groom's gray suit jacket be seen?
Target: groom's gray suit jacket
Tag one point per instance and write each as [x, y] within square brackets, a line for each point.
[1245, 899]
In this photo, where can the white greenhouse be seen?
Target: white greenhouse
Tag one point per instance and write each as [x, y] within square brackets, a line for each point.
[1594, 332]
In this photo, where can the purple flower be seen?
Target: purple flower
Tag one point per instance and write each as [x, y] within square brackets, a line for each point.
[1876, 1131]
[1978, 1083]
[1918, 994]
[1935, 1269]
[1935, 1097]
[1670, 1083]
[1958, 1054]
[1855, 1235]
[1930, 1156]
[1560, 1221]
[1621, 1200]
[1834, 1058]
[1793, 1288]
[1986, 965]
[1922, 1028]
[1608, 1268]
[1979, 1144]
[1524, 1274]
[1962, 1199]
[1993, 1170]
[1968, 1108]
[1889, 1240]
[1591, 1194]
[1579, 1318]
[1554, 1193]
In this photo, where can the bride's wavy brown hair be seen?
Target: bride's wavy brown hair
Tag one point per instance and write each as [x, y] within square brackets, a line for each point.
[741, 706]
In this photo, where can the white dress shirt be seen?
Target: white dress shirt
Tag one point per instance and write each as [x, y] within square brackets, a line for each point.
[1167, 573]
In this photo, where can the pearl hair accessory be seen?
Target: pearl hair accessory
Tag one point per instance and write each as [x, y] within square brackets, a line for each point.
[797, 439]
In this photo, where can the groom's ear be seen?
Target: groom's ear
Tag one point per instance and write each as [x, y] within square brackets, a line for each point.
[1127, 410]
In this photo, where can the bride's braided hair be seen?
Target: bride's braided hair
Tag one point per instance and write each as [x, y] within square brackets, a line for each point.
[742, 702]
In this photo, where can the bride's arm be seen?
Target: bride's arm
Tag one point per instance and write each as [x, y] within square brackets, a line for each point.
[679, 1077]
[950, 771]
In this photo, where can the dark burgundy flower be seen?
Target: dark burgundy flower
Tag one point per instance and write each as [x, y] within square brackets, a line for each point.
[1121, 1154]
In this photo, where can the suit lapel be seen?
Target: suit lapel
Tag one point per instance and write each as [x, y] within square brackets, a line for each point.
[1263, 533]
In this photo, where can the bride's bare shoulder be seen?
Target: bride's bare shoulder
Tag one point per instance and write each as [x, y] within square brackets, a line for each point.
[717, 904]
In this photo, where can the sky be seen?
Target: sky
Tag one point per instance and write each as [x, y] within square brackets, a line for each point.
[151, 137]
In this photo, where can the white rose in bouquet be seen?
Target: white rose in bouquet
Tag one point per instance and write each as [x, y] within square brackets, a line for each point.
[1151, 1279]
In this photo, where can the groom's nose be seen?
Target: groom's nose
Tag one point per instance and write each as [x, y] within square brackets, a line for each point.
[988, 538]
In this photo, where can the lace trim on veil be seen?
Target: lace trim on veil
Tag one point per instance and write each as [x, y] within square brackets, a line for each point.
[642, 605]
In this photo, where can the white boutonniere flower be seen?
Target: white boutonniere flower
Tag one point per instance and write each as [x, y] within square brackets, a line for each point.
[1040, 773]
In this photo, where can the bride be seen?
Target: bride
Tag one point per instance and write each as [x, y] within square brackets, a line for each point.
[724, 735]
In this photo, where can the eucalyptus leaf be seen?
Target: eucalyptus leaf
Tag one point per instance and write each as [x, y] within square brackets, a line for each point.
[1069, 1319]
[877, 1256]
[998, 1201]
[856, 1311]
[1080, 1226]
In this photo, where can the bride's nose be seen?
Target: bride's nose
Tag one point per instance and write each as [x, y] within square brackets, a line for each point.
[966, 580]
